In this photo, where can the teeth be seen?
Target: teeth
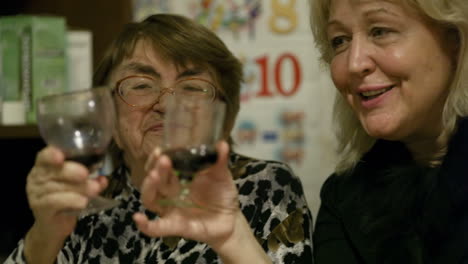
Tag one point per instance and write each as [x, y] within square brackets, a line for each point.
[376, 92]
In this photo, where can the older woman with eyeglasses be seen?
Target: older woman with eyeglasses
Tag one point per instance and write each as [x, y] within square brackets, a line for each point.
[260, 214]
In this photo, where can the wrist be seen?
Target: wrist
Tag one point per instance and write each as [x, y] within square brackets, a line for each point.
[242, 240]
[41, 246]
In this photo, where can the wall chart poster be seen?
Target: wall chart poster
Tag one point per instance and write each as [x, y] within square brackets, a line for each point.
[286, 98]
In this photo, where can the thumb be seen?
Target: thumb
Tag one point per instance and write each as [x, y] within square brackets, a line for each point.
[222, 148]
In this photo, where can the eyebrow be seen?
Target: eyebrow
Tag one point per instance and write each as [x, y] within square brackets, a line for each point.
[190, 72]
[371, 12]
[141, 68]
[149, 70]
[366, 14]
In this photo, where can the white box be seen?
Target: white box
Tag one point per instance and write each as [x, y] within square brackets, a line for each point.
[13, 113]
[80, 59]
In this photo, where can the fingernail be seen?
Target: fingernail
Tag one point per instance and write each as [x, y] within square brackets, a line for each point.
[148, 162]
[153, 174]
[157, 151]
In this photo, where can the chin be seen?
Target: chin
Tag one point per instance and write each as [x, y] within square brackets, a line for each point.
[382, 126]
[382, 131]
[386, 134]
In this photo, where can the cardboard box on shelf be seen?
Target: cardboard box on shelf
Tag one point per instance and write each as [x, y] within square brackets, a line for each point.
[33, 60]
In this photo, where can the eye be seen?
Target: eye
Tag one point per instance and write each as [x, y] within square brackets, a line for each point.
[143, 85]
[379, 32]
[137, 86]
[194, 89]
[338, 42]
[140, 86]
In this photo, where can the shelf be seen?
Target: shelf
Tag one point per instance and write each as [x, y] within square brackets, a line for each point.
[17, 132]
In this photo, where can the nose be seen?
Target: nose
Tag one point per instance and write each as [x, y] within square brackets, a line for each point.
[160, 102]
[360, 58]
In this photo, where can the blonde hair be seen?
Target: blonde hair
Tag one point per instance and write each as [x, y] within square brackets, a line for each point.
[353, 141]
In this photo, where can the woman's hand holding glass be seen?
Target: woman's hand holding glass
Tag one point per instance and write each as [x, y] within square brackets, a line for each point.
[190, 170]
[213, 189]
[64, 181]
[55, 186]
[218, 221]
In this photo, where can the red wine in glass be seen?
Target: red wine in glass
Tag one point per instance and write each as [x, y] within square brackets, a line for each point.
[188, 161]
[92, 161]
[192, 127]
[79, 138]
[89, 160]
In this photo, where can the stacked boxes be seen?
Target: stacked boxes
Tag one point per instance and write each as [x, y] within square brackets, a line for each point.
[32, 63]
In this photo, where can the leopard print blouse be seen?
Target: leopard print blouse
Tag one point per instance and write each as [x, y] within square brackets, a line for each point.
[271, 198]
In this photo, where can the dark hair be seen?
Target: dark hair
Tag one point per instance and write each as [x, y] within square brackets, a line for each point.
[181, 41]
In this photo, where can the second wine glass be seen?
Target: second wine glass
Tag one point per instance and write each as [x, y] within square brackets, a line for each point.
[192, 127]
[80, 124]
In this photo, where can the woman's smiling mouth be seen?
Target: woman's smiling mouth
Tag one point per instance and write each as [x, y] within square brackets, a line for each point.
[155, 128]
[369, 95]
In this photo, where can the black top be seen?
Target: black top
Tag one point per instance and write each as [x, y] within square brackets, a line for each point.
[388, 209]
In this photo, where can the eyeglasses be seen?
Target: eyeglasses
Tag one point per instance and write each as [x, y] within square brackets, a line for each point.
[141, 90]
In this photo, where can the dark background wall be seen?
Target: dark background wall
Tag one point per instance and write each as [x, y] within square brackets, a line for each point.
[18, 146]
[16, 157]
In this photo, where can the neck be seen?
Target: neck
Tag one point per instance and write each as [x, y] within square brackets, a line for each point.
[429, 150]
[137, 171]
[137, 176]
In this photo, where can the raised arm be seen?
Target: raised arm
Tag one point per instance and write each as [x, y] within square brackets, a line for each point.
[54, 188]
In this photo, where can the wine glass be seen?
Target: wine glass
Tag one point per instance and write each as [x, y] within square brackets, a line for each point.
[192, 127]
[80, 124]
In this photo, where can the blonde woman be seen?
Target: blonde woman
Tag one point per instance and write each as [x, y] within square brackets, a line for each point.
[400, 190]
